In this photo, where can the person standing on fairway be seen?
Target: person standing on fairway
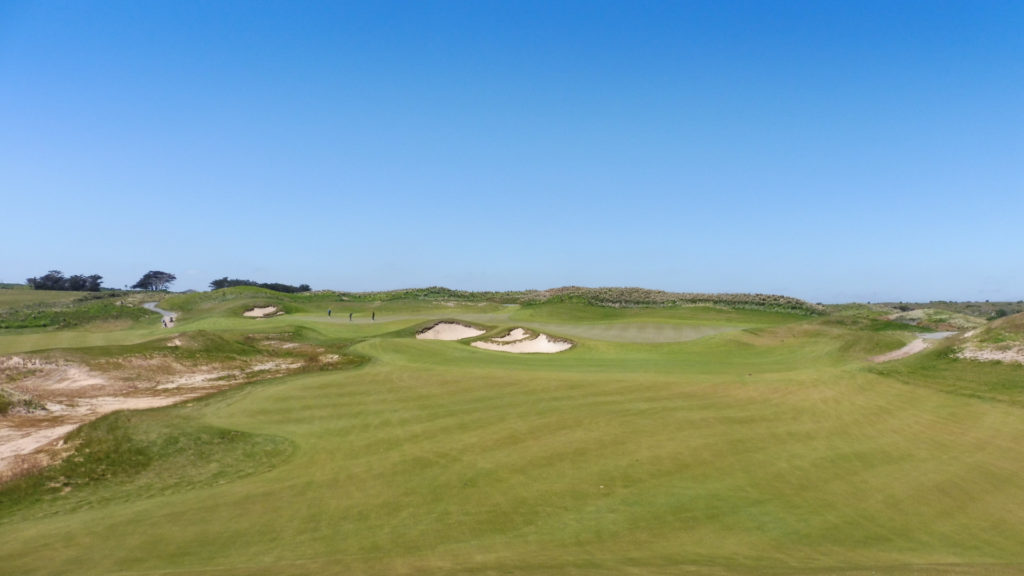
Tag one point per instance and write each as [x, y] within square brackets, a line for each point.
[349, 316]
[373, 316]
[328, 312]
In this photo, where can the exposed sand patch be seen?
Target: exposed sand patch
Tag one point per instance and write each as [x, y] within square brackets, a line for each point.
[1010, 355]
[63, 395]
[542, 344]
[14, 442]
[260, 312]
[449, 331]
[513, 336]
[908, 350]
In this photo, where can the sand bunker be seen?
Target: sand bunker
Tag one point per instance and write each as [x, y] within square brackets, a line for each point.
[260, 312]
[542, 344]
[449, 331]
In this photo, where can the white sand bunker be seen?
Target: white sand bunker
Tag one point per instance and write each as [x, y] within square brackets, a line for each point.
[449, 331]
[260, 312]
[542, 344]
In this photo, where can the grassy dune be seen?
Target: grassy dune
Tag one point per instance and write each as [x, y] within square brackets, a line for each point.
[770, 447]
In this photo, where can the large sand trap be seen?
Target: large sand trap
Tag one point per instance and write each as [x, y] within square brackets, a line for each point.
[449, 331]
[260, 312]
[542, 344]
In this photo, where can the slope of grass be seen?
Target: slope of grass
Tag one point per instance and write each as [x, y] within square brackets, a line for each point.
[940, 369]
[48, 308]
[770, 449]
[15, 296]
[135, 455]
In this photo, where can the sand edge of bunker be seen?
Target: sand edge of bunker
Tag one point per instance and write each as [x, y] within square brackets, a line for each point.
[264, 312]
[518, 341]
[449, 331]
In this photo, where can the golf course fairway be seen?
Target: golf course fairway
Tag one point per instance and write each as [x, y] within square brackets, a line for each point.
[667, 440]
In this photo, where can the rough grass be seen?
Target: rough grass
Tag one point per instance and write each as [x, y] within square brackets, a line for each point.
[1005, 330]
[133, 455]
[770, 449]
[46, 308]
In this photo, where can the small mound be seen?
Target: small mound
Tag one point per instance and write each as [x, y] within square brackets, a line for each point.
[449, 331]
[513, 336]
[260, 312]
[542, 344]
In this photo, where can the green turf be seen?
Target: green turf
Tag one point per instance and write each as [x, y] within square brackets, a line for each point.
[771, 448]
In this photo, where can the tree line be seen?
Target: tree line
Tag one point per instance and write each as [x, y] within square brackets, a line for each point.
[226, 282]
[55, 280]
[152, 280]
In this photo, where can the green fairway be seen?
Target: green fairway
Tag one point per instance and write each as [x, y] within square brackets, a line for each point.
[671, 440]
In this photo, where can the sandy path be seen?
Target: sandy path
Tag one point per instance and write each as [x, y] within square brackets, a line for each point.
[908, 350]
[169, 316]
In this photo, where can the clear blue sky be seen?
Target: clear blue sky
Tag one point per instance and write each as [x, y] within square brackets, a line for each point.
[832, 151]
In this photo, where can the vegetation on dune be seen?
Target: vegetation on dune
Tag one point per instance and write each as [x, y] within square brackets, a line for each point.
[626, 297]
[233, 300]
[1008, 329]
[613, 297]
[985, 310]
[84, 309]
[11, 400]
[937, 319]
[433, 293]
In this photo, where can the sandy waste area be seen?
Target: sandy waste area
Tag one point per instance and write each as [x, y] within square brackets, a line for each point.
[54, 396]
[1013, 354]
